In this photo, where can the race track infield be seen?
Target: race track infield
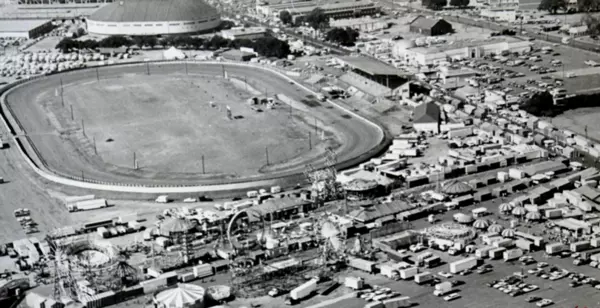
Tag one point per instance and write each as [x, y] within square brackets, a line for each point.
[161, 112]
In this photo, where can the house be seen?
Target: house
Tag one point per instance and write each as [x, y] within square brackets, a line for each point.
[426, 117]
[430, 27]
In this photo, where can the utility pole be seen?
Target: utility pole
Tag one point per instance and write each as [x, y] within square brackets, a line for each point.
[72, 116]
[82, 176]
[97, 74]
[186, 68]
[203, 171]
[95, 148]
[134, 161]
[83, 127]
[309, 141]
[148, 68]
[62, 97]
[267, 154]
[316, 127]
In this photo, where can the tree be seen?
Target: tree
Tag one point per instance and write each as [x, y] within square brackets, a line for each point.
[552, 6]
[115, 41]
[588, 5]
[592, 23]
[460, 3]
[434, 4]
[67, 44]
[285, 17]
[317, 19]
[271, 47]
[540, 104]
[344, 37]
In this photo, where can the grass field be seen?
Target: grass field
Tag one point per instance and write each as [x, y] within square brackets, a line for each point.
[576, 121]
[169, 124]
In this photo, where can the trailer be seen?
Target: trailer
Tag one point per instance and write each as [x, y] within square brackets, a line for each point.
[588, 253]
[555, 248]
[483, 252]
[432, 261]
[87, 205]
[103, 232]
[464, 264]
[355, 283]
[497, 253]
[304, 290]
[424, 277]
[595, 242]
[442, 288]
[408, 273]
[398, 302]
[512, 254]
[361, 264]
[580, 246]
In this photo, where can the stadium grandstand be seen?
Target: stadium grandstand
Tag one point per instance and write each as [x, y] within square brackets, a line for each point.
[372, 76]
[335, 10]
[154, 17]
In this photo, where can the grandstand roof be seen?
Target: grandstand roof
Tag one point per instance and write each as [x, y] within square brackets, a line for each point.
[154, 10]
[370, 65]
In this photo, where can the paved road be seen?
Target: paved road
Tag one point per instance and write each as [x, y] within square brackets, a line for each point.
[357, 135]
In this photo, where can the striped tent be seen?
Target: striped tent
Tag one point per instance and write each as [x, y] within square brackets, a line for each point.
[495, 228]
[481, 224]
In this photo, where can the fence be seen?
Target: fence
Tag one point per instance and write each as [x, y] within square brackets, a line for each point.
[46, 171]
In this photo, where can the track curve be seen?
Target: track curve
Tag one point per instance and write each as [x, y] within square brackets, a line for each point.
[362, 138]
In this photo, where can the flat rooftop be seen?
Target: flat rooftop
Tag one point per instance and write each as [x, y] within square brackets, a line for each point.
[370, 65]
[21, 25]
[462, 44]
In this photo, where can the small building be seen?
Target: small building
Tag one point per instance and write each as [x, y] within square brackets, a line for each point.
[426, 117]
[250, 33]
[430, 27]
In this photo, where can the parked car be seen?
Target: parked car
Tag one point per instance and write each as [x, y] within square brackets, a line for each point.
[452, 297]
[532, 299]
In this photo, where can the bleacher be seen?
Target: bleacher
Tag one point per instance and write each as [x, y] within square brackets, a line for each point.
[364, 84]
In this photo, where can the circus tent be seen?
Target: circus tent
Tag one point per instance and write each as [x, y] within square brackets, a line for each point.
[184, 296]
[495, 228]
[481, 224]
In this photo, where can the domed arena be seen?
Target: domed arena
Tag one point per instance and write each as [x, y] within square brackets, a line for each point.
[153, 17]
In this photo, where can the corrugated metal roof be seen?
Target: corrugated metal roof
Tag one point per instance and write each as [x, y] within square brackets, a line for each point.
[423, 22]
[154, 10]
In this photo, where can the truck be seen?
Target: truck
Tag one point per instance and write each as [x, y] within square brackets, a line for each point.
[304, 290]
[355, 283]
[408, 273]
[442, 288]
[361, 264]
[555, 248]
[424, 277]
[389, 270]
[398, 302]
[512, 254]
[87, 205]
[163, 199]
[464, 264]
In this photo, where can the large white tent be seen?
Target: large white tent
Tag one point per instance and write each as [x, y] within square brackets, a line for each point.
[173, 54]
[184, 296]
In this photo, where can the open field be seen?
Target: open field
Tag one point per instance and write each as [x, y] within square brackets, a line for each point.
[60, 141]
[170, 124]
[576, 121]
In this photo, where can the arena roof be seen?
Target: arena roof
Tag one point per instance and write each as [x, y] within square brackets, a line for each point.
[154, 10]
[370, 65]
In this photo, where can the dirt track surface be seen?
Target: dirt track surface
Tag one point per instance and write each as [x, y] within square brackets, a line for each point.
[61, 153]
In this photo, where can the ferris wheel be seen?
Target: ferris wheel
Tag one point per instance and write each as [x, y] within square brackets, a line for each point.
[246, 230]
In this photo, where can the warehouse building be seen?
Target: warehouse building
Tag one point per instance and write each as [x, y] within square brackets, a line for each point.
[430, 27]
[154, 17]
[27, 28]
[459, 50]
[335, 10]
[427, 117]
